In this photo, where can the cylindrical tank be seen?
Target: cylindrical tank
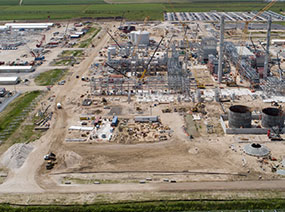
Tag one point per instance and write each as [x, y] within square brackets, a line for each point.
[239, 116]
[142, 37]
[112, 50]
[132, 36]
[272, 117]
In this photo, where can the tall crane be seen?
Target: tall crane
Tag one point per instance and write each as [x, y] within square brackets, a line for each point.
[113, 39]
[146, 68]
[245, 31]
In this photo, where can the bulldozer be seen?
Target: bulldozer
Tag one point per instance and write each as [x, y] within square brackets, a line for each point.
[199, 108]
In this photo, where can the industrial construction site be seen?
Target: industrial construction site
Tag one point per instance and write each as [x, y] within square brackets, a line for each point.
[191, 103]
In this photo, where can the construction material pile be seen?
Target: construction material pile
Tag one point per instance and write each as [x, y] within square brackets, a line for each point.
[16, 155]
[131, 133]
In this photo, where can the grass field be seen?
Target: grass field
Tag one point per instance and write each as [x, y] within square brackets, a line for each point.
[50, 77]
[158, 206]
[61, 2]
[79, 9]
[15, 109]
[86, 43]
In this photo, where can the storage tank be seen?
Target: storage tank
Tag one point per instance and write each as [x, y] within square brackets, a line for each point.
[239, 116]
[112, 50]
[132, 36]
[142, 37]
[272, 117]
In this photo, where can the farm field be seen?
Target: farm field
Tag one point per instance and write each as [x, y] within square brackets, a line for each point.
[35, 9]
[61, 2]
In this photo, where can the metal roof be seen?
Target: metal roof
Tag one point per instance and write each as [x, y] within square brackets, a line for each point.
[10, 79]
[16, 67]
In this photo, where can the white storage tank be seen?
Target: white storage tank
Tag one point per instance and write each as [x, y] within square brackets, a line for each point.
[132, 36]
[141, 37]
[112, 50]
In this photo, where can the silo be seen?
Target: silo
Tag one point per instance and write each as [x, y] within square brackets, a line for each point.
[272, 117]
[132, 36]
[144, 38]
[141, 37]
[239, 116]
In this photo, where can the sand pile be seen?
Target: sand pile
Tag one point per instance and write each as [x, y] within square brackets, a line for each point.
[16, 155]
[72, 159]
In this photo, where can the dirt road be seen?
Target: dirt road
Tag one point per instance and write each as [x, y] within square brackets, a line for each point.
[23, 179]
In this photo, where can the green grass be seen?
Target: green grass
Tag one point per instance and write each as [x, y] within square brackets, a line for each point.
[26, 134]
[74, 53]
[15, 109]
[9, 2]
[88, 41]
[61, 2]
[134, 10]
[159, 206]
[50, 77]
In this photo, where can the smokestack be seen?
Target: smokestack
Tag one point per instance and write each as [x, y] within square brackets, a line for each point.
[221, 55]
[266, 67]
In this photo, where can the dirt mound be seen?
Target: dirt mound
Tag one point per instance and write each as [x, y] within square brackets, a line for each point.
[71, 159]
[16, 155]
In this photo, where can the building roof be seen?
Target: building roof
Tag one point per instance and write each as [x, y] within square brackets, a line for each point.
[29, 24]
[16, 67]
[12, 79]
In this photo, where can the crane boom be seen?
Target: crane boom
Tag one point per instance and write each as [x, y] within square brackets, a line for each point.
[245, 30]
[117, 70]
[113, 39]
[146, 68]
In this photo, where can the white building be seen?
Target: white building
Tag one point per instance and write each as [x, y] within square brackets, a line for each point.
[9, 80]
[16, 69]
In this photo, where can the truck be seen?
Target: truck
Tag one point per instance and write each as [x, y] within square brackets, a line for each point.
[58, 105]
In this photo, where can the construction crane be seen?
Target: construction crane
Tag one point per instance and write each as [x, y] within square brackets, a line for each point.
[65, 31]
[36, 56]
[41, 42]
[245, 30]
[146, 68]
[117, 70]
[244, 33]
[113, 39]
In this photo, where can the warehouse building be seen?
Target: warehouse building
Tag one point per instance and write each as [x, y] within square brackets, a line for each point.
[16, 69]
[9, 80]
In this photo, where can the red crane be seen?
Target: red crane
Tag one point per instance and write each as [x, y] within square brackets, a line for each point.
[41, 42]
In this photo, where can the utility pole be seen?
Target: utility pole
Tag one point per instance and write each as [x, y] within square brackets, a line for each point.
[266, 62]
[221, 55]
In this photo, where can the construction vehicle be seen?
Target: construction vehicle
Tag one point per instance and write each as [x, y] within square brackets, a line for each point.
[167, 110]
[274, 134]
[199, 108]
[41, 42]
[50, 156]
[37, 57]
